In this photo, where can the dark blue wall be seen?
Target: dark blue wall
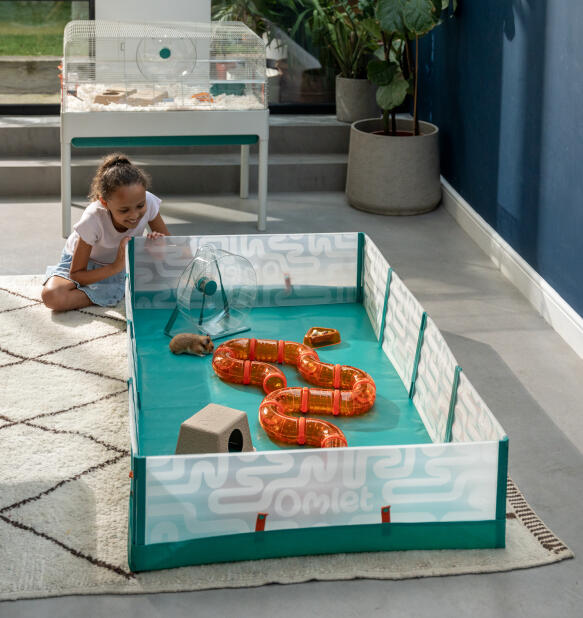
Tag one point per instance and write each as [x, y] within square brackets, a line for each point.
[504, 82]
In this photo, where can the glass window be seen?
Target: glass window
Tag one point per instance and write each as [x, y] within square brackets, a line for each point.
[300, 72]
[31, 47]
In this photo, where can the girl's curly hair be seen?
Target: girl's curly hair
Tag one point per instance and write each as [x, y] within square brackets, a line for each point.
[116, 171]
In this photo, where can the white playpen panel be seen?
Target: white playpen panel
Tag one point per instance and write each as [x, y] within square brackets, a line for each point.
[211, 495]
[473, 420]
[402, 325]
[376, 272]
[433, 386]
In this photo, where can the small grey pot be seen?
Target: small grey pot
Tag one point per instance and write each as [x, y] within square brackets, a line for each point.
[355, 99]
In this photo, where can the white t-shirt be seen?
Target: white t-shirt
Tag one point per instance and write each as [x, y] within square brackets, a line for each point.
[96, 228]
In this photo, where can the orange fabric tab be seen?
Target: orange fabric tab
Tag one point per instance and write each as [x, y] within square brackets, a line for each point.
[304, 403]
[280, 349]
[336, 403]
[336, 382]
[260, 522]
[302, 430]
[246, 372]
[252, 344]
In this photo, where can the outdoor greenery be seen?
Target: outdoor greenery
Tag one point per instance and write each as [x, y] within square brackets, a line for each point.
[332, 30]
[345, 34]
[291, 16]
[252, 13]
[343, 30]
[33, 28]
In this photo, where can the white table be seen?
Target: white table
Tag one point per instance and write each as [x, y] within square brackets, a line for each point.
[166, 128]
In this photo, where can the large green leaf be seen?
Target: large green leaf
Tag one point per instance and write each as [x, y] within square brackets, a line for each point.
[409, 17]
[380, 53]
[381, 73]
[373, 27]
[420, 16]
[393, 94]
[390, 16]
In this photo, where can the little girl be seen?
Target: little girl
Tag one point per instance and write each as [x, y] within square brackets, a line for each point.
[91, 270]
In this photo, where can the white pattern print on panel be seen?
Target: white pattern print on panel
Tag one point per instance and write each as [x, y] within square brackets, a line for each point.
[193, 497]
[290, 269]
[473, 420]
[403, 320]
[434, 382]
[376, 269]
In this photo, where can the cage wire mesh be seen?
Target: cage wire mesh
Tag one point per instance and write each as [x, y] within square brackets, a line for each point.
[110, 66]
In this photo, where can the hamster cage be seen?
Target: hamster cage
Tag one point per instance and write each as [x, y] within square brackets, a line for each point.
[113, 66]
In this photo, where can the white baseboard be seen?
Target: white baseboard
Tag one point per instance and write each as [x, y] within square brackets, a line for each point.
[551, 306]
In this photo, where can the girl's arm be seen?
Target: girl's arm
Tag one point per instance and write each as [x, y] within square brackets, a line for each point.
[79, 272]
[158, 227]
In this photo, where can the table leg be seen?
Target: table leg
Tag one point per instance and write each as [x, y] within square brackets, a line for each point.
[65, 189]
[262, 186]
[244, 172]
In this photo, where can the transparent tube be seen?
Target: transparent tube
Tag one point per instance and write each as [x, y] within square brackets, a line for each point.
[346, 391]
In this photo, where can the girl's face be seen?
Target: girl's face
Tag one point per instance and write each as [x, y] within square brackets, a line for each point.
[127, 205]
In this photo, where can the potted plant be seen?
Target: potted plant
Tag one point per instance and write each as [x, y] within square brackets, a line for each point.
[393, 163]
[344, 32]
[285, 26]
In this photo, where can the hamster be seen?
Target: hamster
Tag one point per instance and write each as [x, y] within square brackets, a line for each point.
[189, 343]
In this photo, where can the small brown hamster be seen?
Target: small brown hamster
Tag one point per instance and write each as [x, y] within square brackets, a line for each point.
[189, 343]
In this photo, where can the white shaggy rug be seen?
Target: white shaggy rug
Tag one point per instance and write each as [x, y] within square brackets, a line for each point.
[64, 469]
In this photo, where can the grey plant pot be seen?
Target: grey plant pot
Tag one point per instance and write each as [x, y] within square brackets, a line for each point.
[355, 99]
[393, 175]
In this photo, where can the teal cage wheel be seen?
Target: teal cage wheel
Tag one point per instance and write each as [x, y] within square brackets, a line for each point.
[214, 295]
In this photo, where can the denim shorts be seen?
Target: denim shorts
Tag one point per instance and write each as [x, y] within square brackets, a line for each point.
[106, 293]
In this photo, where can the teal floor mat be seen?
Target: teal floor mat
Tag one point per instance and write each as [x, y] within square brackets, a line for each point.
[173, 388]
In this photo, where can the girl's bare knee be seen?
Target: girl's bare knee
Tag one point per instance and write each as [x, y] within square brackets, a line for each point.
[53, 298]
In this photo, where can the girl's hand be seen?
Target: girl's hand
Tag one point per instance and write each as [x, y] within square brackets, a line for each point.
[120, 260]
[155, 245]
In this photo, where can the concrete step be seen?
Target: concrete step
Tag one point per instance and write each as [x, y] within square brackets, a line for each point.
[38, 136]
[180, 174]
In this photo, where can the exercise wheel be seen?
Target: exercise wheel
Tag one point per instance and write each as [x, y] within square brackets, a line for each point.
[215, 293]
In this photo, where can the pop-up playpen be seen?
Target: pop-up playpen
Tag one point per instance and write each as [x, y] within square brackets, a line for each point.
[424, 468]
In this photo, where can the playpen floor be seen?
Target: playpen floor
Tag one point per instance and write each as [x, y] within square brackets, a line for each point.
[173, 388]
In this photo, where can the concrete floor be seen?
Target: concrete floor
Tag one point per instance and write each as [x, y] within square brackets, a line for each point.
[525, 372]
